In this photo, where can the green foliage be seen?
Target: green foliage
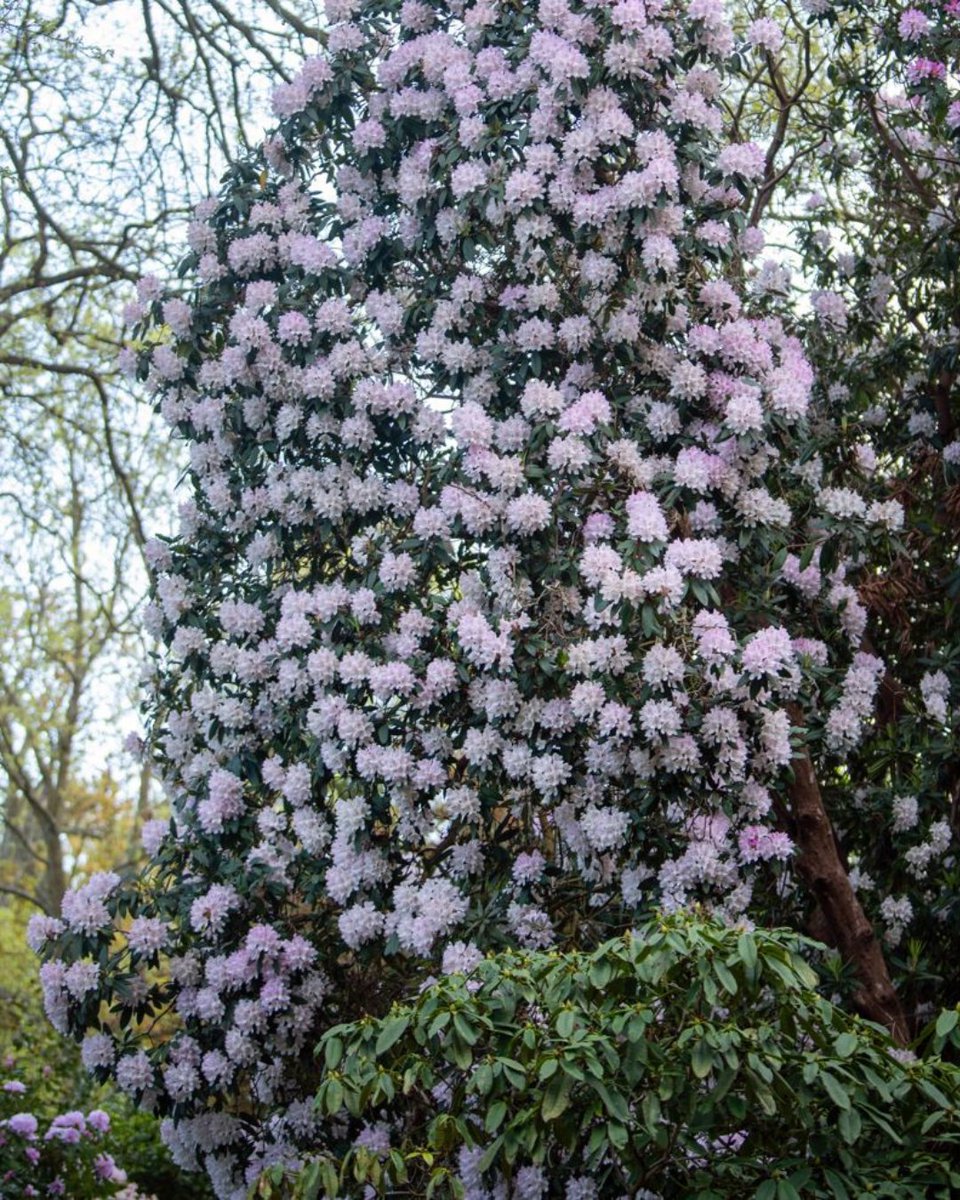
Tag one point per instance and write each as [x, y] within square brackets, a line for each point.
[29, 1045]
[687, 1058]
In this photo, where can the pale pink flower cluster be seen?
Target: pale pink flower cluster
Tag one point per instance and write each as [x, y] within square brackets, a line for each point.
[845, 722]
[935, 692]
[765, 34]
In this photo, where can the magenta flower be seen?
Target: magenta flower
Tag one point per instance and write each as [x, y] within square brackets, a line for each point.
[925, 68]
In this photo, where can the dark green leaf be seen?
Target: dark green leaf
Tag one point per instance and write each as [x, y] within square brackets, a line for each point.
[393, 1029]
[495, 1116]
[835, 1090]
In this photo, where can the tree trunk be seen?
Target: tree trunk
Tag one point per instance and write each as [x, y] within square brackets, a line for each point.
[820, 867]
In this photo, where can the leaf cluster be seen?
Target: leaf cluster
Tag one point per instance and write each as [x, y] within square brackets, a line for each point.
[687, 1058]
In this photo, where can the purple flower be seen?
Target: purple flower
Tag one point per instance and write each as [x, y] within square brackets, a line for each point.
[68, 1127]
[528, 867]
[913, 24]
[66, 1134]
[105, 1168]
[98, 1120]
[24, 1125]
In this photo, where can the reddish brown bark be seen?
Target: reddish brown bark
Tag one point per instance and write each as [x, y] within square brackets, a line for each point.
[941, 402]
[821, 868]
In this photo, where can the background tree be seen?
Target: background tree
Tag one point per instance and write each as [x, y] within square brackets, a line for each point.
[67, 610]
[91, 135]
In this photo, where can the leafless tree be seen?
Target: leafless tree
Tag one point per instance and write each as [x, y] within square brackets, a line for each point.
[114, 119]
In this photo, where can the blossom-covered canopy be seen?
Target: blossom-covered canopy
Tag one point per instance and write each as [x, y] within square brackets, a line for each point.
[507, 569]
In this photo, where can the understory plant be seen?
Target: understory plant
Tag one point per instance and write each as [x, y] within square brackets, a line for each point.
[686, 1059]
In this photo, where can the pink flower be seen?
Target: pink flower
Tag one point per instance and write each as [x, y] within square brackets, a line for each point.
[765, 33]
[149, 288]
[913, 24]
[591, 410]
[645, 519]
[597, 527]
[925, 68]
[293, 329]
[743, 158]
[768, 652]
[757, 843]
[528, 514]
[368, 135]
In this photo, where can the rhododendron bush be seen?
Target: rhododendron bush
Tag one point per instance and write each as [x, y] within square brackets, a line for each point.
[686, 1059]
[64, 1156]
[521, 587]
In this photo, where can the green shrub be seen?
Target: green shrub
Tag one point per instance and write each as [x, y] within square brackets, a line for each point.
[688, 1059]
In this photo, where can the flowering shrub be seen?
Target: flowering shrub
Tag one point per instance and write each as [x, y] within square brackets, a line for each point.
[65, 1155]
[684, 1060]
[513, 599]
